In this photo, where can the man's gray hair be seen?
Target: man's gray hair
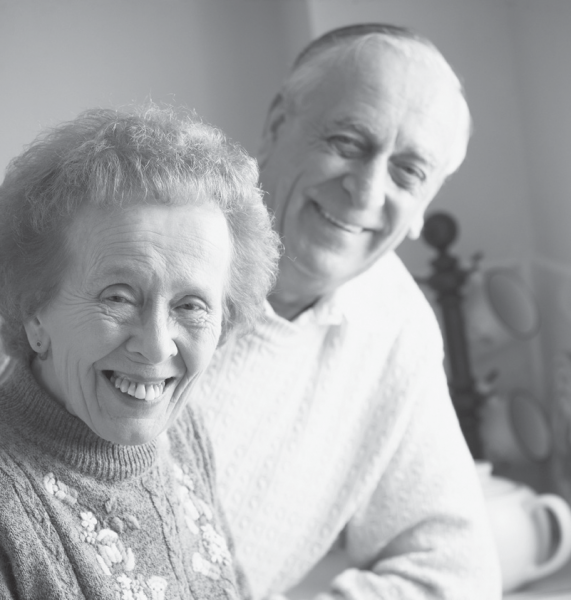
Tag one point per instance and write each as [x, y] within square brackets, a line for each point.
[336, 44]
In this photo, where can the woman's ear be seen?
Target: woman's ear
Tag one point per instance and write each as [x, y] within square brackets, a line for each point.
[37, 337]
[274, 119]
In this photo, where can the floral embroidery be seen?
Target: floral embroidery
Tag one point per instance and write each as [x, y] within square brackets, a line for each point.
[135, 589]
[191, 514]
[183, 477]
[157, 585]
[201, 565]
[112, 550]
[132, 522]
[215, 545]
[59, 489]
[198, 516]
[104, 536]
[193, 507]
[88, 522]
[205, 509]
[119, 522]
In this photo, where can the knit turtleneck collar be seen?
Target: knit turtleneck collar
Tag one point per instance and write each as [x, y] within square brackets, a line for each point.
[40, 420]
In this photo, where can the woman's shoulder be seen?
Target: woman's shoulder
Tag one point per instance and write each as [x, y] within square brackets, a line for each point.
[25, 523]
[12, 475]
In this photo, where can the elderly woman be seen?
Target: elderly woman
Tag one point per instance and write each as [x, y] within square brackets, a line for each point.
[130, 244]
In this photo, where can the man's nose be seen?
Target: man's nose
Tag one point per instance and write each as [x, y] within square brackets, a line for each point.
[152, 338]
[366, 184]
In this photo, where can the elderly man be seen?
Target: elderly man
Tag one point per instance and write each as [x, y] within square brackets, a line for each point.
[332, 418]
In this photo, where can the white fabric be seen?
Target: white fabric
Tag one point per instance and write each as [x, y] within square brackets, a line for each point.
[340, 420]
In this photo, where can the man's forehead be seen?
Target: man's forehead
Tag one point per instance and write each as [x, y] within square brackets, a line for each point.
[392, 83]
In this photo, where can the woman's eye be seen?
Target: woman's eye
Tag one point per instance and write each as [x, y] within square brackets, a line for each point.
[118, 294]
[117, 299]
[193, 307]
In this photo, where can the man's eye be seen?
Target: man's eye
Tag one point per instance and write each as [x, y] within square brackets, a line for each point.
[408, 176]
[347, 146]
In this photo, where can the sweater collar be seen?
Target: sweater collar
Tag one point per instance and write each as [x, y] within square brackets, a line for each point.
[340, 306]
[40, 420]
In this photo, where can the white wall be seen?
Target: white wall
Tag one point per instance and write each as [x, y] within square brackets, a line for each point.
[542, 50]
[223, 57]
[542, 43]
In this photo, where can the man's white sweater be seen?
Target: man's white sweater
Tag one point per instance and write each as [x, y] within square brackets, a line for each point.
[340, 422]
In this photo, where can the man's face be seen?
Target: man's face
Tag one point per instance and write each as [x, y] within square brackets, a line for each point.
[359, 160]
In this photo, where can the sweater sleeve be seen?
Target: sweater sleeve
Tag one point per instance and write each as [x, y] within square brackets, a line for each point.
[32, 561]
[7, 580]
[423, 533]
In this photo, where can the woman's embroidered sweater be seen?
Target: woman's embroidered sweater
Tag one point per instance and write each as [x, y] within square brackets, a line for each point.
[83, 518]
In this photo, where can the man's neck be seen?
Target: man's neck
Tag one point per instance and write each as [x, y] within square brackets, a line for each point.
[289, 306]
[295, 291]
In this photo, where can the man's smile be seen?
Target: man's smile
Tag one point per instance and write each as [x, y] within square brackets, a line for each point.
[348, 227]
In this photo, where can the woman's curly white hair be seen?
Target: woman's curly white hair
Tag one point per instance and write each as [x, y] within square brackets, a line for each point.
[111, 158]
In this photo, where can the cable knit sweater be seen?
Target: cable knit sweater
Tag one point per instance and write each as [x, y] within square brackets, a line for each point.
[340, 421]
[83, 518]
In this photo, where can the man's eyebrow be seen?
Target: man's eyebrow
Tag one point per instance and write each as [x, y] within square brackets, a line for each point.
[357, 126]
[422, 156]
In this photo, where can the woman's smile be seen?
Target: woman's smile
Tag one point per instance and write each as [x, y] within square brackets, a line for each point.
[139, 389]
[138, 316]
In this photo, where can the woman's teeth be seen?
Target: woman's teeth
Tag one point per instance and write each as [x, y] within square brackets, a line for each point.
[141, 391]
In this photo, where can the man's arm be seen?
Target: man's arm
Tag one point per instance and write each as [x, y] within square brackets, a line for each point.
[423, 531]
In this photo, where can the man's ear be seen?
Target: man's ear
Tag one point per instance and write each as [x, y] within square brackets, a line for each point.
[274, 120]
[416, 226]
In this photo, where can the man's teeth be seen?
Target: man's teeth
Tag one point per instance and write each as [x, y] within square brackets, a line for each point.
[141, 391]
[340, 224]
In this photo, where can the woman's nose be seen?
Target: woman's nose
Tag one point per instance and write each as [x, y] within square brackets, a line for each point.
[152, 338]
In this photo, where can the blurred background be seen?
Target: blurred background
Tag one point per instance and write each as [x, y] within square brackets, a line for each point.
[226, 58]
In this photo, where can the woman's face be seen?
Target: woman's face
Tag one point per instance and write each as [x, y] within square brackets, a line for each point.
[137, 318]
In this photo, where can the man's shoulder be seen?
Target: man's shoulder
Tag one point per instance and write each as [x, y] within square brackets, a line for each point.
[385, 290]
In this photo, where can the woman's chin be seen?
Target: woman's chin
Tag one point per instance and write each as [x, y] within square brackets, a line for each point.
[127, 420]
[128, 433]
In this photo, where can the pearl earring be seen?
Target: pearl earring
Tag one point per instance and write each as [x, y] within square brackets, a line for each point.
[42, 355]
